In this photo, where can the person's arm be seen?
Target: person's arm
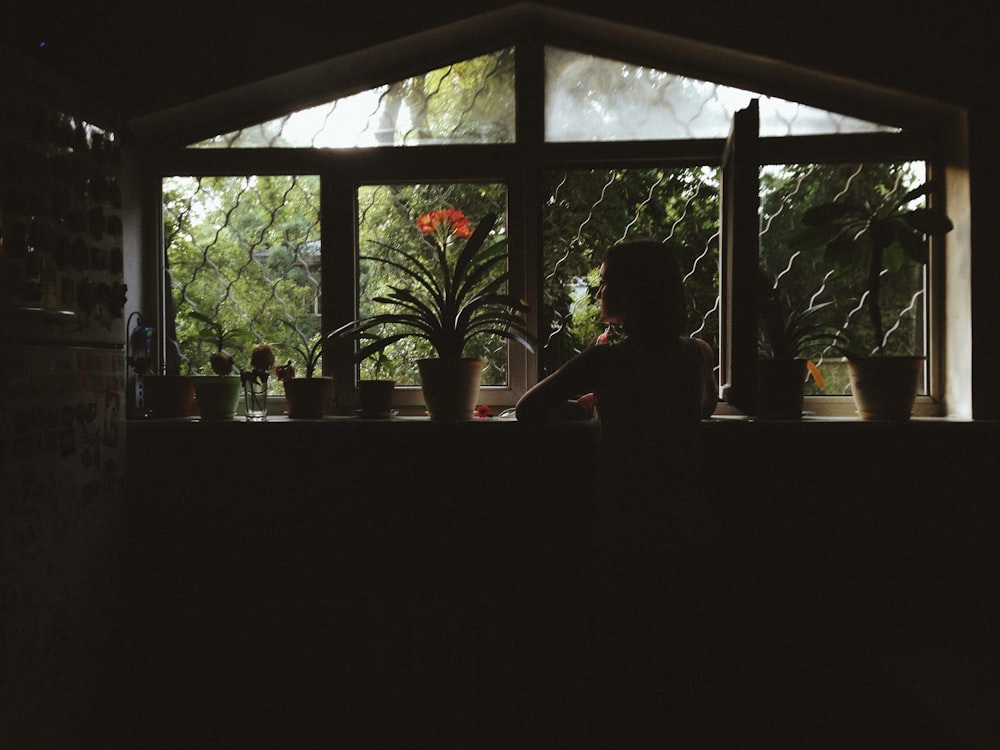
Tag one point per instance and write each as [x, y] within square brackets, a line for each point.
[710, 391]
[558, 396]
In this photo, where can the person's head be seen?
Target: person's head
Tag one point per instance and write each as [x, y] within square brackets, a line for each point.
[642, 289]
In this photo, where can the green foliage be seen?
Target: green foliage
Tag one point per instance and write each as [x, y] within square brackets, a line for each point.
[387, 218]
[586, 211]
[873, 237]
[792, 329]
[242, 252]
[308, 349]
[447, 299]
[217, 334]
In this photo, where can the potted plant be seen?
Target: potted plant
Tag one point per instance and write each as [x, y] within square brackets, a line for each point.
[452, 296]
[167, 396]
[306, 397]
[789, 332]
[218, 395]
[376, 392]
[162, 396]
[876, 238]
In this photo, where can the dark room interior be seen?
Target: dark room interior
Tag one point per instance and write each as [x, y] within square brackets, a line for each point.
[391, 583]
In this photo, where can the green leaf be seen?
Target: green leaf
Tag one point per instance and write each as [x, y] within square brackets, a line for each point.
[814, 237]
[826, 213]
[928, 221]
[914, 246]
[893, 256]
[840, 251]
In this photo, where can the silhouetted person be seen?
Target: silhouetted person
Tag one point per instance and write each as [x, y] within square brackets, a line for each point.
[654, 555]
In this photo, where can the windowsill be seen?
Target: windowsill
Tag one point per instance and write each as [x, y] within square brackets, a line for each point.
[401, 419]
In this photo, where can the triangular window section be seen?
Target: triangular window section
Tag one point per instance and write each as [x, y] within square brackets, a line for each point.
[471, 101]
[591, 98]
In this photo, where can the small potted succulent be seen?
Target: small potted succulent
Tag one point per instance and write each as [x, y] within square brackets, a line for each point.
[875, 238]
[307, 396]
[218, 395]
[453, 294]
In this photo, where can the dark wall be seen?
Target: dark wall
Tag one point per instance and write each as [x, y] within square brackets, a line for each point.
[376, 580]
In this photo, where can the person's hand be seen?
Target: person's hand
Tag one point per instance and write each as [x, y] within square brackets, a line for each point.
[583, 407]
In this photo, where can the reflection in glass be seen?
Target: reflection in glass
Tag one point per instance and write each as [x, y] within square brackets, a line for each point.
[471, 101]
[590, 98]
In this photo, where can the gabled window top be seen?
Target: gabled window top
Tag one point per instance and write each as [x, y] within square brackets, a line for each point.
[590, 98]
[471, 101]
[587, 98]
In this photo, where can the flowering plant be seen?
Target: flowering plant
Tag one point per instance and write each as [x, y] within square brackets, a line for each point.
[451, 297]
[221, 360]
[261, 361]
[310, 350]
[255, 382]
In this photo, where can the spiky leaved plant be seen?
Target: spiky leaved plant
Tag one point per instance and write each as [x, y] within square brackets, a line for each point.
[450, 298]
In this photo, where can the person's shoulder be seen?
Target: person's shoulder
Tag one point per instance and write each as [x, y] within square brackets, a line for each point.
[701, 346]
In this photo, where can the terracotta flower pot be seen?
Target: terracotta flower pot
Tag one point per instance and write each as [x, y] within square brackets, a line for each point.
[308, 398]
[450, 387]
[168, 396]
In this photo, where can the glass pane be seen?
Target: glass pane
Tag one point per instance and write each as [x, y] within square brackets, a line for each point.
[586, 211]
[387, 216]
[467, 102]
[245, 251]
[786, 192]
[590, 98]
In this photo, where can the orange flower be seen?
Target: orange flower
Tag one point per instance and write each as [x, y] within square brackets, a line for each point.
[483, 411]
[444, 224]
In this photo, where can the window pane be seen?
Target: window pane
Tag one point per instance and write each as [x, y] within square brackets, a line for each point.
[467, 102]
[786, 192]
[590, 98]
[387, 216]
[244, 251]
[588, 210]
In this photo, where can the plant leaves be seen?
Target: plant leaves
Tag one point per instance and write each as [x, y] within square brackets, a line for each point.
[928, 221]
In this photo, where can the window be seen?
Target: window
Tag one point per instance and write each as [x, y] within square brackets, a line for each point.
[245, 252]
[585, 211]
[574, 151]
[804, 275]
[471, 101]
[388, 214]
